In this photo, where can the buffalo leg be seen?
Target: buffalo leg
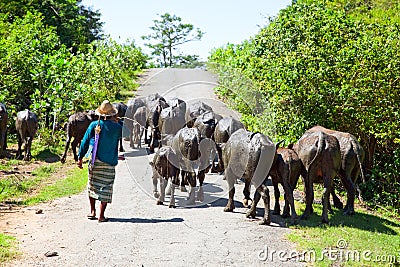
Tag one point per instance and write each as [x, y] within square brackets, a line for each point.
[200, 193]
[28, 146]
[183, 181]
[74, 144]
[19, 153]
[230, 178]
[289, 201]
[325, 197]
[192, 184]
[163, 184]
[349, 185]
[246, 193]
[277, 208]
[67, 142]
[309, 192]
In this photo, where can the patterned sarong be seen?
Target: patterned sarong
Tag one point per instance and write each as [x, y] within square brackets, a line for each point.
[101, 181]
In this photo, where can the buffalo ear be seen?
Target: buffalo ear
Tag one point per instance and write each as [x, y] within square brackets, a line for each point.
[290, 146]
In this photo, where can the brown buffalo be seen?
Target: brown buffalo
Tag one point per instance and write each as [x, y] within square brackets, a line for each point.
[76, 128]
[320, 156]
[286, 171]
[352, 156]
[163, 170]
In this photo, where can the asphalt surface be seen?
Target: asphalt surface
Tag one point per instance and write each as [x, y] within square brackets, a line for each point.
[141, 233]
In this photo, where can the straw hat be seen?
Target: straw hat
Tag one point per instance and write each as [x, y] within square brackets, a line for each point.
[106, 109]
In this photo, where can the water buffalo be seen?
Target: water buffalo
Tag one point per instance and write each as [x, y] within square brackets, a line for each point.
[138, 126]
[164, 169]
[172, 118]
[194, 110]
[223, 130]
[3, 130]
[121, 107]
[130, 122]
[249, 155]
[152, 121]
[352, 156]
[320, 156]
[186, 146]
[286, 171]
[27, 126]
[76, 128]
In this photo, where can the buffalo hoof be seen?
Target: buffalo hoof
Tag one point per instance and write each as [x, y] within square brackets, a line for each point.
[294, 221]
[276, 212]
[156, 194]
[183, 189]
[251, 214]
[200, 197]
[304, 216]
[285, 215]
[228, 209]
[62, 160]
[349, 212]
[172, 206]
[338, 205]
[247, 202]
[159, 202]
[265, 222]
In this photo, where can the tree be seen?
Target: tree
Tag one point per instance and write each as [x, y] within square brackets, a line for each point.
[168, 33]
[75, 24]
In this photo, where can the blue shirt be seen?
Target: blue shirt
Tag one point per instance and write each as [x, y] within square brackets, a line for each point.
[107, 149]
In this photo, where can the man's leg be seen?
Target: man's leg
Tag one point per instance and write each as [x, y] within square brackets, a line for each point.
[92, 206]
[103, 206]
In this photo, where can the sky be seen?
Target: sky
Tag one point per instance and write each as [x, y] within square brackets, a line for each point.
[222, 21]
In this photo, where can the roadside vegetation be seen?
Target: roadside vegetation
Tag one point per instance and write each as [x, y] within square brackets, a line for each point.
[335, 64]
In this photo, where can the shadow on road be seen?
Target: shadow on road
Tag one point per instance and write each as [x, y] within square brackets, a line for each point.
[145, 220]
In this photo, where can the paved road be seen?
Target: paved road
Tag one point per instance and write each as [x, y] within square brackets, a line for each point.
[139, 232]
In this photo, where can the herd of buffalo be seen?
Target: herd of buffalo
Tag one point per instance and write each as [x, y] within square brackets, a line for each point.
[191, 140]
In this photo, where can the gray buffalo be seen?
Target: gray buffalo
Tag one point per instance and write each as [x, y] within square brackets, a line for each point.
[286, 171]
[249, 155]
[186, 144]
[352, 155]
[152, 121]
[130, 122]
[121, 107]
[223, 130]
[320, 156]
[75, 128]
[3, 130]
[139, 123]
[172, 119]
[194, 110]
[27, 126]
[164, 168]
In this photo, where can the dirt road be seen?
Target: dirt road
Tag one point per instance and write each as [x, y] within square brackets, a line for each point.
[139, 232]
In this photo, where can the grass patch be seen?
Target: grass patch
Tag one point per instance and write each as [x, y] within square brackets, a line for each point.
[74, 183]
[8, 248]
[365, 239]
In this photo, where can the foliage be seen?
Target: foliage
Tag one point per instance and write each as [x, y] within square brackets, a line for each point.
[167, 34]
[320, 63]
[74, 23]
[40, 73]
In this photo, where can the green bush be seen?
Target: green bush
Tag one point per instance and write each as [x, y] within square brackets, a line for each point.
[318, 63]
